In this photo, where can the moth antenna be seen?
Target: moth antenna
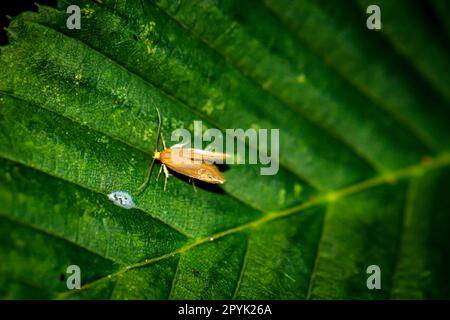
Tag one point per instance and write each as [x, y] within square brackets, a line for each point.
[159, 131]
[149, 174]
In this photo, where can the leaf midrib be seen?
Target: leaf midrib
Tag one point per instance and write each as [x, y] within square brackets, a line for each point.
[408, 172]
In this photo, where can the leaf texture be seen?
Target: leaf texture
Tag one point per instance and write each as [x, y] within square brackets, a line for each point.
[364, 123]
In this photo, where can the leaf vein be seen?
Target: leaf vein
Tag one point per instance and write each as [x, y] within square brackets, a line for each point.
[439, 162]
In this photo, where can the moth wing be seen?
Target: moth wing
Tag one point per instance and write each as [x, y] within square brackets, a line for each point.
[180, 160]
[204, 155]
[178, 146]
[198, 170]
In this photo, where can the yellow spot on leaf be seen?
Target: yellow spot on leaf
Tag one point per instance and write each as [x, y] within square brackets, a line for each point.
[147, 135]
[390, 178]
[297, 189]
[148, 34]
[208, 107]
[103, 139]
[332, 196]
[87, 11]
[301, 78]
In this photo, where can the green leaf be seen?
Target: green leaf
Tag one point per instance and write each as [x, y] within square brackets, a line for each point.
[364, 173]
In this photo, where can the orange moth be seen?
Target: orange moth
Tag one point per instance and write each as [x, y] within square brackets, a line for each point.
[193, 163]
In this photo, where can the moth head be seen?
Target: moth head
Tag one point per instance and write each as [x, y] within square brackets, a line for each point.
[156, 155]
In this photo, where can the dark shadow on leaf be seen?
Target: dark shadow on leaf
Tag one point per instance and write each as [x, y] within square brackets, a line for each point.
[198, 184]
[223, 167]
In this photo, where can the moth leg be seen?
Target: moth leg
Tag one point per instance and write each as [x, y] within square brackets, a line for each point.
[163, 141]
[159, 172]
[166, 175]
[191, 180]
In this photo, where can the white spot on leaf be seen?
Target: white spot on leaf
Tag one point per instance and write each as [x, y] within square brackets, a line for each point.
[122, 199]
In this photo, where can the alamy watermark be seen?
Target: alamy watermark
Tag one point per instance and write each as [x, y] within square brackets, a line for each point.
[74, 20]
[374, 280]
[74, 280]
[374, 20]
[251, 146]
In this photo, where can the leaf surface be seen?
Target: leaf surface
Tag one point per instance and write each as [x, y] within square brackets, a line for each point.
[364, 127]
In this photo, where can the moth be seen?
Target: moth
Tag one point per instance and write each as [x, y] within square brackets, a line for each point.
[193, 163]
